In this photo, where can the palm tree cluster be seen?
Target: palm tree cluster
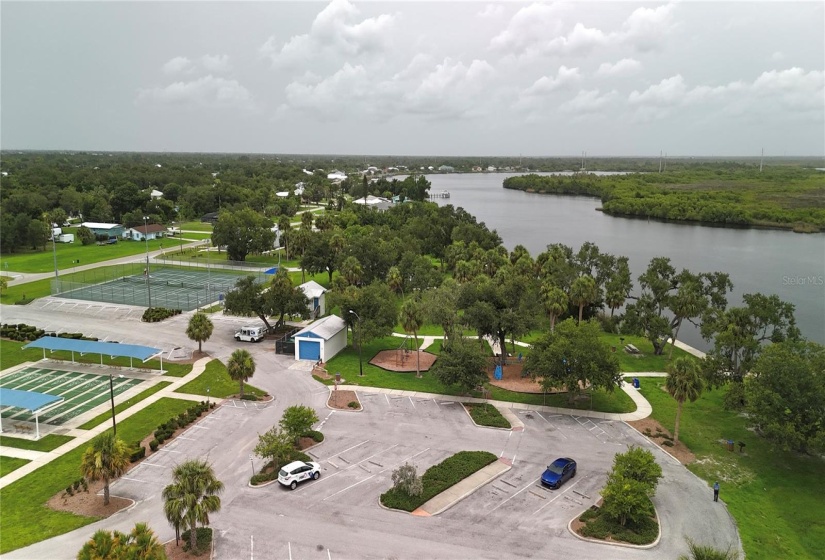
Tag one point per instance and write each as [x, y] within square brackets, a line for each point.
[191, 497]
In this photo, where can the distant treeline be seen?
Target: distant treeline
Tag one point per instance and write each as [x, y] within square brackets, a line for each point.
[784, 197]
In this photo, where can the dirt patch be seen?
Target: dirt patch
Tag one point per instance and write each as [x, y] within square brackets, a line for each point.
[658, 435]
[512, 379]
[176, 552]
[89, 503]
[340, 400]
[403, 360]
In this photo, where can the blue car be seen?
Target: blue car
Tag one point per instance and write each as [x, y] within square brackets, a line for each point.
[558, 472]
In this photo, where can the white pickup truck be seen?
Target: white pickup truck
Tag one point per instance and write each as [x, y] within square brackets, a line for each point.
[250, 334]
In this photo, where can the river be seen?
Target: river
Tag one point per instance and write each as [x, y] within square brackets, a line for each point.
[784, 263]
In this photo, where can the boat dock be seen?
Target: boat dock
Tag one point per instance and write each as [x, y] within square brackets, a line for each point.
[442, 194]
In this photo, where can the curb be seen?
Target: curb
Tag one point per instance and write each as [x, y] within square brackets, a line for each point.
[654, 544]
[348, 409]
[470, 416]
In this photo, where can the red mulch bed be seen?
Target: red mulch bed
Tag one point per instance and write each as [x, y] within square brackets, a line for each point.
[403, 360]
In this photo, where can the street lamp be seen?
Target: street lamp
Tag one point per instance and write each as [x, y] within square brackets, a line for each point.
[146, 239]
[112, 396]
[360, 344]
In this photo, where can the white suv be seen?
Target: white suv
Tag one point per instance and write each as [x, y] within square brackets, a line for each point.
[298, 471]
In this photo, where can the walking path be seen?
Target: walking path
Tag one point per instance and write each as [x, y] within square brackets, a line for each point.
[81, 437]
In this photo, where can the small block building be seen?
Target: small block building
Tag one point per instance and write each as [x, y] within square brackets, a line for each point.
[321, 340]
[317, 301]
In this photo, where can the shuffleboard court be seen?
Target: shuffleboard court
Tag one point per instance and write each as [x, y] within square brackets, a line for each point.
[81, 392]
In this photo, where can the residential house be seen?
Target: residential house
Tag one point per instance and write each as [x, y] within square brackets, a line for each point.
[147, 232]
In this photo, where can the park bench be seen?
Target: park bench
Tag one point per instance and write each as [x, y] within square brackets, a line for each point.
[630, 349]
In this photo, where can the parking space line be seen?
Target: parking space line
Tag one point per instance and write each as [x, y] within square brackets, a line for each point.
[133, 479]
[411, 402]
[569, 487]
[386, 397]
[549, 422]
[289, 547]
[529, 484]
[153, 465]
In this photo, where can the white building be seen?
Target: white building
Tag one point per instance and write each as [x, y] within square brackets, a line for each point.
[374, 203]
[156, 194]
[317, 300]
[321, 340]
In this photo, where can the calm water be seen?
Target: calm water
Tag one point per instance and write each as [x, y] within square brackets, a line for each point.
[787, 264]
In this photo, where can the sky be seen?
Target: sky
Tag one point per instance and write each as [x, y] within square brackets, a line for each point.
[415, 78]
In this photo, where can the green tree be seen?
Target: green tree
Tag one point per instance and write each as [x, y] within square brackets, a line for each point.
[243, 232]
[4, 284]
[574, 357]
[376, 306]
[241, 366]
[144, 545]
[630, 485]
[351, 271]
[785, 396]
[195, 488]
[85, 235]
[412, 317]
[395, 281]
[199, 329]
[104, 545]
[405, 478]
[58, 216]
[282, 298]
[106, 458]
[297, 420]
[276, 445]
[684, 383]
[441, 306]
[583, 291]
[284, 226]
[555, 302]
[462, 364]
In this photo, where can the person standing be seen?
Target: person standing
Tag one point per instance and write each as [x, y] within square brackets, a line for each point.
[716, 491]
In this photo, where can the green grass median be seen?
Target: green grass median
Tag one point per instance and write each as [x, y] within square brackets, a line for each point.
[10, 464]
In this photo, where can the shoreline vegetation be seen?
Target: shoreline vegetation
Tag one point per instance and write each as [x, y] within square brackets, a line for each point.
[777, 198]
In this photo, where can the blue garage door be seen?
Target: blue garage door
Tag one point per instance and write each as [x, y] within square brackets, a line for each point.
[310, 350]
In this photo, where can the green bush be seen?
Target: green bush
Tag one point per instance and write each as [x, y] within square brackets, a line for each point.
[203, 540]
[486, 414]
[153, 445]
[156, 314]
[317, 436]
[249, 397]
[137, 454]
[438, 478]
[601, 526]
[354, 404]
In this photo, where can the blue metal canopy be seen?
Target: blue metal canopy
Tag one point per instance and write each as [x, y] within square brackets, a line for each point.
[93, 347]
[27, 399]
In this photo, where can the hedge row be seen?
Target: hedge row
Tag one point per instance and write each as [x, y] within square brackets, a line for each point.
[166, 430]
[156, 314]
[438, 478]
[25, 333]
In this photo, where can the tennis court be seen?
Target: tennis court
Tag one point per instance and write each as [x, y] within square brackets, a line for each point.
[81, 392]
[170, 287]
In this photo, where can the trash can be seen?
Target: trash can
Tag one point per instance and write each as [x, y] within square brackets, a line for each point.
[635, 382]
[730, 445]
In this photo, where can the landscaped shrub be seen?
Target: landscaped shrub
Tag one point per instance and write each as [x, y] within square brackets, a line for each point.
[438, 478]
[137, 454]
[354, 404]
[153, 445]
[600, 526]
[317, 436]
[249, 397]
[156, 314]
[203, 540]
[485, 414]
[21, 332]
[69, 490]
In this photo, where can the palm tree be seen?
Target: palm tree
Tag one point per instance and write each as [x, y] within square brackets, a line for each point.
[106, 458]
[144, 545]
[412, 317]
[174, 510]
[283, 228]
[351, 270]
[241, 366]
[199, 329]
[555, 302]
[683, 383]
[394, 280]
[583, 291]
[102, 545]
[194, 491]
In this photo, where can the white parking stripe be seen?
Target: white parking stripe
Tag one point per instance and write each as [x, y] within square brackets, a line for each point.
[569, 487]
[549, 422]
[529, 484]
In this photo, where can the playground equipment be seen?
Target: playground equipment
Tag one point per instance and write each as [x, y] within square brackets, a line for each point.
[402, 353]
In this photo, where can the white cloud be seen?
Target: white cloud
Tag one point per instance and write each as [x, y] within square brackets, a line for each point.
[624, 67]
[333, 31]
[491, 11]
[565, 77]
[215, 63]
[579, 41]
[647, 28]
[206, 91]
[669, 91]
[588, 102]
[451, 89]
[177, 65]
[528, 29]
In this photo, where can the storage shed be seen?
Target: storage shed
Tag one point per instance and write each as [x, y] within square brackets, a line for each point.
[321, 340]
[315, 294]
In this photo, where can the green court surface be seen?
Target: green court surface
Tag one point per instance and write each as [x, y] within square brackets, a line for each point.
[173, 288]
[81, 392]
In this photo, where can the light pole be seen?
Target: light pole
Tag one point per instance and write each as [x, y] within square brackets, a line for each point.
[146, 239]
[360, 344]
[112, 397]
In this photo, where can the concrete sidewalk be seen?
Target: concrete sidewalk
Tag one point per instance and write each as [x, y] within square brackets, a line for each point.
[81, 437]
[454, 494]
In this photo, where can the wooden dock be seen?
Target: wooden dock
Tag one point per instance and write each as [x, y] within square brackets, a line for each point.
[442, 194]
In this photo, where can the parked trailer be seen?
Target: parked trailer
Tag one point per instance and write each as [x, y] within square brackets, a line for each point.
[65, 238]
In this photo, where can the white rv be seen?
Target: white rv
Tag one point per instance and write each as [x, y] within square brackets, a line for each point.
[250, 334]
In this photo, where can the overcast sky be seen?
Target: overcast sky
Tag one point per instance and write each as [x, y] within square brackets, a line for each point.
[416, 78]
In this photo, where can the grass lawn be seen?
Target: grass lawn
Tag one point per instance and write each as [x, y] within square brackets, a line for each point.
[195, 226]
[24, 517]
[646, 361]
[486, 414]
[105, 416]
[67, 253]
[777, 498]
[8, 464]
[346, 362]
[46, 443]
[12, 353]
[217, 380]
[198, 236]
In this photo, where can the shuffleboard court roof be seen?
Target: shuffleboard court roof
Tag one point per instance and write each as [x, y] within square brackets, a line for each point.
[94, 347]
[27, 399]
